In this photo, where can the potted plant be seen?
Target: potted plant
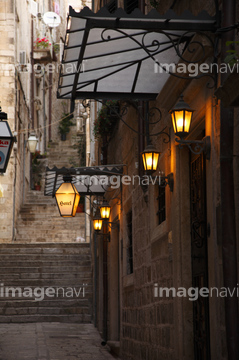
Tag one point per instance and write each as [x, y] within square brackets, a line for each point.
[64, 125]
[37, 169]
[41, 43]
[106, 119]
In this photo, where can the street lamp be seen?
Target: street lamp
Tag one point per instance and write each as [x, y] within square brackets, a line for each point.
[104, 210]
[67, 198]
[32, 143]
[97, 223]
[150, 158]
[181, 117]
[6, 141]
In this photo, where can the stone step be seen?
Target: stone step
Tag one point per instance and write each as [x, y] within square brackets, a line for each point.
[76, 318]
[48, 245]
[55, 218]
[49, 248]
[44, 310]
[42, 263]
[45, 269]
[44, 257]
[50, 282]
[47, 302]
[45, 275]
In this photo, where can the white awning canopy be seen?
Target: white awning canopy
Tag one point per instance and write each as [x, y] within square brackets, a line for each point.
[113, 56]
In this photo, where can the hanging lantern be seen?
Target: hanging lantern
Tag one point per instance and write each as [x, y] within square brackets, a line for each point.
[6, 141]
[67, 198]
[150, 159]
[104, 211]
[32, 143]
[97, 223]
[181, 118]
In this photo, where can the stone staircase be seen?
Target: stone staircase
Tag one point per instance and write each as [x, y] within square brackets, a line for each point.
[63, 153]
[39, 221]
[60, 269]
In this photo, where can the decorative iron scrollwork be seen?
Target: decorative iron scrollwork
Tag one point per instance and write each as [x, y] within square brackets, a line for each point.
[179, 42]
[125, 104]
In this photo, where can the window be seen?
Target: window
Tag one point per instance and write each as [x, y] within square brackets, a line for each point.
[161, 205]
[129, 243]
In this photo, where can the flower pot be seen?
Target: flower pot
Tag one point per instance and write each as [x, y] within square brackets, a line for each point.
[42, 56]
[37, 187]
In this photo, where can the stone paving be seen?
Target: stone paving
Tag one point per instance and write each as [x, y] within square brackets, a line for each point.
[51, 341]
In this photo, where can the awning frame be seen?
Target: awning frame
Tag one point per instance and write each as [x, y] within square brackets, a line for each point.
[144, 24]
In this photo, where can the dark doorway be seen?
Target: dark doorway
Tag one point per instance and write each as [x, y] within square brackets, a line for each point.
[199, 256]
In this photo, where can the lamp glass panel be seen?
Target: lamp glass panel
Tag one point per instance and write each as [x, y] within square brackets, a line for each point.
[155, 160]
[188, 118]
[150, 160]
[97, 224]
[77, 199]
[105, 212]
[174, 123]
[179, 120]
[67, 199]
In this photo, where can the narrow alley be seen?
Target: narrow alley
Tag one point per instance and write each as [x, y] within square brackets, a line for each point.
[119, 179]
[51, 341]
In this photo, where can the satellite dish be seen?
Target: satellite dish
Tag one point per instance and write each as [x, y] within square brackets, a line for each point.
[51, 19]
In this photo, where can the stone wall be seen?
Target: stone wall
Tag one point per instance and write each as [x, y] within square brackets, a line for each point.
[7, 98]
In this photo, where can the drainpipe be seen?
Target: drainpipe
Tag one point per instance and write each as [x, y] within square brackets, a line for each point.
[50, 104]
[32, 76]
[14, 195]
[44, 111]
[228, 221]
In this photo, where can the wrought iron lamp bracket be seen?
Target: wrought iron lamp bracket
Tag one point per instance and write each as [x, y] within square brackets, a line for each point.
[163, 181]
[197, 146]
[111, 224]
[167, 180]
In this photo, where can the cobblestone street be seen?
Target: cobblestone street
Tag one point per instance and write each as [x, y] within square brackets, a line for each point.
[51, 341]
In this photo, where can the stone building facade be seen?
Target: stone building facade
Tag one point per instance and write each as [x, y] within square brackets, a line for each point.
[159, 242]
[29, 77]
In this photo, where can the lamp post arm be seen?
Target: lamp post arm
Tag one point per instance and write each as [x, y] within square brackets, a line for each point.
[200, 146]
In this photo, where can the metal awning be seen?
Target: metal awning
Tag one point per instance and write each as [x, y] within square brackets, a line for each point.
[113, 56]
[93, 180]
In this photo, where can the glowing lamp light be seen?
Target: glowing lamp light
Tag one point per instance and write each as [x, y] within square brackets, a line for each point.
[97, 223]
[6, 141]
[181, 118]
[105, 211]
[32, 143]
[67, 198]
[150, 158]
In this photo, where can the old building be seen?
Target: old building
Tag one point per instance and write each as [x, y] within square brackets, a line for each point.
[31, 49]
[165, 259]
[178, 233]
